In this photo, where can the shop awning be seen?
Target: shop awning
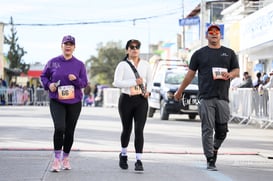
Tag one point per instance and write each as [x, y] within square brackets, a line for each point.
[262, 51]
[34, 73]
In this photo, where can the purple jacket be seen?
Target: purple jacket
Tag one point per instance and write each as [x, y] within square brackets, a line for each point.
[57, 69]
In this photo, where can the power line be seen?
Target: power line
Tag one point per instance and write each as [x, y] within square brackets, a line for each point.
[94, 22]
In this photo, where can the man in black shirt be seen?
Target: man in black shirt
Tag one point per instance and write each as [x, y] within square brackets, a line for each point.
[216, 65]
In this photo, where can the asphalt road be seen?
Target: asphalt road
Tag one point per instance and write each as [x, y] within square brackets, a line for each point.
[172, 149]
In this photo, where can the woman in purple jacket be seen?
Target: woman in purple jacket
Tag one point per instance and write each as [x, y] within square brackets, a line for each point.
[64, 77]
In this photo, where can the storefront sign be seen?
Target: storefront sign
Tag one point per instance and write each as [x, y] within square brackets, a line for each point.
[189, 21]
[257, 28]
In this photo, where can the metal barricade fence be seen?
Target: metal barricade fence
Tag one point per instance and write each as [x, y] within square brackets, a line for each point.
[246, 104]
[17, 96]
[249, 106]
[23, 96]
[111, 97]
[260, 101]
[41, 97]
[240, 104]
[3, 98]
[270, 108]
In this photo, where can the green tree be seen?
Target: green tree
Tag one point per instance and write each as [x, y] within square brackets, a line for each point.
[15, 53]
[101, 69]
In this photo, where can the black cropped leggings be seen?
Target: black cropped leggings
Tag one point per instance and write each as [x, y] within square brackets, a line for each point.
[133, 108]
[65, 117]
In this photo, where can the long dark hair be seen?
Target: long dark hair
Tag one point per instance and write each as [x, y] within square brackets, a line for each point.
[126, 57]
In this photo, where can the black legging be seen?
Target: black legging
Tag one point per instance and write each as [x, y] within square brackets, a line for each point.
[133, 107]
[65, 117]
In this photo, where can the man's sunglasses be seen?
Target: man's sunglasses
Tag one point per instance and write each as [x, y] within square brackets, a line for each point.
[212, 32]
[134, 47]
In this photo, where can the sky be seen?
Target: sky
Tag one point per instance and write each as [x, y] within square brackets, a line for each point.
[91, 23]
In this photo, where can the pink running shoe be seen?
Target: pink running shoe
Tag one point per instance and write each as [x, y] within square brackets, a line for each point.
[56, 166]
[66, 164]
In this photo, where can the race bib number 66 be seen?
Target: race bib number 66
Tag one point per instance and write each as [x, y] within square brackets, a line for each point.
[66, 92]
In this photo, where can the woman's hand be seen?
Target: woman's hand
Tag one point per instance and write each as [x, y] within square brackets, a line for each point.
[139, 81]
[72, 77]
[147, 94]
[52, 87]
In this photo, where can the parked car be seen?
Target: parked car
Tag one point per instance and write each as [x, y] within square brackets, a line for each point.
[165, 84]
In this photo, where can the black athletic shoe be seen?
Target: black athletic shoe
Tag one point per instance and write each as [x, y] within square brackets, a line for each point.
[138, 166]
[123, 162]
[211, 165]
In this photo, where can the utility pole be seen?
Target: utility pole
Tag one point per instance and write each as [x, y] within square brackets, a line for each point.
[1, 49]
[181, 37]
[202, 22]
[183, 27]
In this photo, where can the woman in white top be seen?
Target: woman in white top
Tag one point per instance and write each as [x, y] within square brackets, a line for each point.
[269, 84]
[133, 102]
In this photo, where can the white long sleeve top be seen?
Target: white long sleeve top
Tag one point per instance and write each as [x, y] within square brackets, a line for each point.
[270, 83]
[124, 76]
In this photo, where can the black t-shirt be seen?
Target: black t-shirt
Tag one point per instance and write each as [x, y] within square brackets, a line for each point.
[204, 61]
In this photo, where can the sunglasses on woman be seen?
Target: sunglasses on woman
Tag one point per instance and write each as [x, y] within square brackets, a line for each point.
[134, 47]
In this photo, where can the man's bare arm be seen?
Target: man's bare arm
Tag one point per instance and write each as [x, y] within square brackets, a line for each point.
[187, 80]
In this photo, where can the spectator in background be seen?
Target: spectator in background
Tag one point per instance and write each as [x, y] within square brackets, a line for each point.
[30, 89]
[87, 93]
[89, 101]
[3, 87]
[266, 78]
[269, 84]
[247, 81]
[25, 95]
[95, 92]
[3, 83]
[258, 81]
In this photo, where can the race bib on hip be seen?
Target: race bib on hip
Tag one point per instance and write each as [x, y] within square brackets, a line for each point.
[135, 90]
[217, 72]
[66, 92]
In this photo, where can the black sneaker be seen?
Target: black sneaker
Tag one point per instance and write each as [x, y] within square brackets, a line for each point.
[138, 166]
[123, 162]
[211, 165]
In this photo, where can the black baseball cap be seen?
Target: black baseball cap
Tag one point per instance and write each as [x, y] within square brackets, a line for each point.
[129, 42]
